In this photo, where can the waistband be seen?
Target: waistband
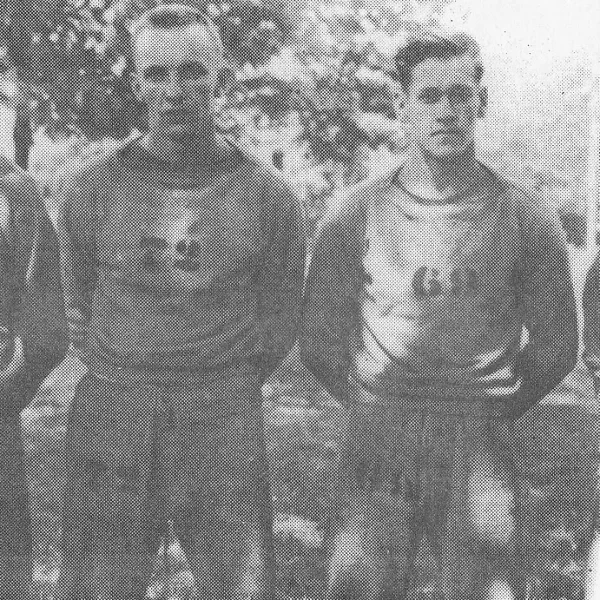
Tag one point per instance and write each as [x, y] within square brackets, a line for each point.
[157, 377]
[361, 396]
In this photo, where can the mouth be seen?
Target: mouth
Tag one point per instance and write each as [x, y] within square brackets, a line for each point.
[186, 265]
[175, 114]
[448, 132]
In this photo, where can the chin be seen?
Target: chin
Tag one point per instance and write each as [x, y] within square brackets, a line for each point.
[447, 152]
[180, 134]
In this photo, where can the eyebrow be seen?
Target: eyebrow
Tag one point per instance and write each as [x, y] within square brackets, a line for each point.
[194, 64]
[154, 70]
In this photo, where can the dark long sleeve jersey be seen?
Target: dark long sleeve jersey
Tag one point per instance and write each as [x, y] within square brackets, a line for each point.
[421, 301]
[31, 303]
[168, 272]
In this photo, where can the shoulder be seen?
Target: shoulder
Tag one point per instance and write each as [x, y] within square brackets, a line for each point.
[268, 179]
[525, 204]
[90, 167]
[348, 210]
[275, 195]
[535, 219]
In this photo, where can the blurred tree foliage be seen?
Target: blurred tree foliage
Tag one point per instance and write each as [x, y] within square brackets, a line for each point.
[327, 63]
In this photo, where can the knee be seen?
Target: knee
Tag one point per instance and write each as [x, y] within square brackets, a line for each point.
[491, 509]
[354, 572]
[253, 568]
[239, 557]
[353, 581]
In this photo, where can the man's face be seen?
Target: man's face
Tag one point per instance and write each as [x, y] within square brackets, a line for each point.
[176, 73]
[442, 105]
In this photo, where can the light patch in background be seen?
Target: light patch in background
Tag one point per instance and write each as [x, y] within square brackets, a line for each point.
[541, 61]
[536, 32]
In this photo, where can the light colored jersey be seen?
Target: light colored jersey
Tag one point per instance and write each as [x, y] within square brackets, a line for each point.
[417, 300]
[439, 312]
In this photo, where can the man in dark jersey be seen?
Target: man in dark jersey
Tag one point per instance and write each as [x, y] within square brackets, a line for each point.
[419, 289]
[33, 339]
[182, 264]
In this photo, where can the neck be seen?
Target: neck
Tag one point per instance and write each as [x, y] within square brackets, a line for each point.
[435, 179]
[184, 152]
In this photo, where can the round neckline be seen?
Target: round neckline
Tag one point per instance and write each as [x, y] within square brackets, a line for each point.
[464, 206]
[456, 200]
[135, 157]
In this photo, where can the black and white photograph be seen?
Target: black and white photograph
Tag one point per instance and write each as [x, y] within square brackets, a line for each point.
[300, 300]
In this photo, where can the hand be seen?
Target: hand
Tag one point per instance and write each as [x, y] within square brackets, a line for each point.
[78, 336]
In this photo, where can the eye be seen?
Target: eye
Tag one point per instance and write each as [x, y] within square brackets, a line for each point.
[193, 70]
[156, 74]
[430, 95]
[460, 94]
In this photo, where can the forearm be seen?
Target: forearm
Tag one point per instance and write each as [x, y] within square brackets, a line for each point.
[330, 370]
[280, 308]
[282, 279]
[591, 323]
[328, 318]
[39, 319]
[541, 369]
[548, 304]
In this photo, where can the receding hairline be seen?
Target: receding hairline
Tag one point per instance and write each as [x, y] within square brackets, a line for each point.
[173, 17]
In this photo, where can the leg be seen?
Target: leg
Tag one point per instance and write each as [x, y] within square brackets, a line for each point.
[374, 543]
[109, 442]
[480, 550]
[222, 498]
[365, 565]
[592, 573]
[15, 524]
[592, 579]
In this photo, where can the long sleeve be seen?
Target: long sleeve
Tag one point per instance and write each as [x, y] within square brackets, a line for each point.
[548, 304]
[282, 276]
[40, 318]
[330, 306]
[591, 321]
[77, 255]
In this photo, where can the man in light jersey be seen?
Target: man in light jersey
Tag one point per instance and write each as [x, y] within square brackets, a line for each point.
[183, 263]
[419, 289]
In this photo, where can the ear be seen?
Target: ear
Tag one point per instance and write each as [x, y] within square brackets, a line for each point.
[399, 100]
[483, 102]
[225, 78]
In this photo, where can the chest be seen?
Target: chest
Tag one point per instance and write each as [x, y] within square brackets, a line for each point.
[187, 237]
[425, 257]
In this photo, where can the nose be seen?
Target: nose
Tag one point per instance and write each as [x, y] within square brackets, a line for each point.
[174, 91]
[446, 112]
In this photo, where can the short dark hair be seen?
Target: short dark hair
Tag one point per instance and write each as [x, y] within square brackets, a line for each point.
[173, 16]
[432, 43]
